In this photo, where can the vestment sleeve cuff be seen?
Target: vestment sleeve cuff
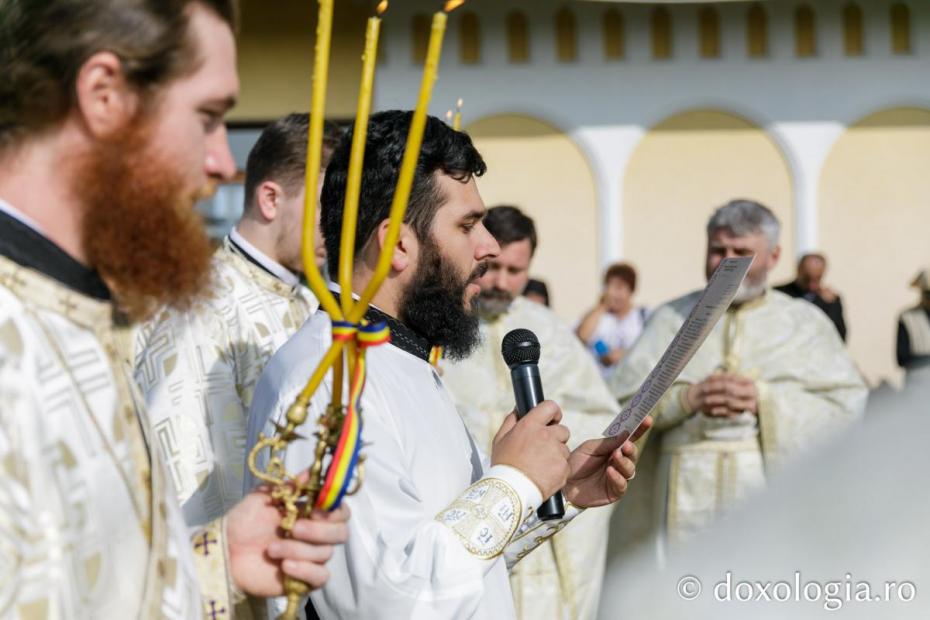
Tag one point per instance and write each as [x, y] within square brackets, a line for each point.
[486, 516]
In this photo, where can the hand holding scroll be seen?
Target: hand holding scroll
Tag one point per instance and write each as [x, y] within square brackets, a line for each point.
[602, 469]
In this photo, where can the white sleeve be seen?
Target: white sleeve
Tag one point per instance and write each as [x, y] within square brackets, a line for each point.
[22, 475]
[533, 531]
[188, 379]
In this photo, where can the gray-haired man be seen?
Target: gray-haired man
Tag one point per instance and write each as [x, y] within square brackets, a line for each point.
[771, 377]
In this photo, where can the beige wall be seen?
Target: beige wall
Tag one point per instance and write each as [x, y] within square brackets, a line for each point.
[875, 227]
[275, 47]
[682, 170]
[537, 168]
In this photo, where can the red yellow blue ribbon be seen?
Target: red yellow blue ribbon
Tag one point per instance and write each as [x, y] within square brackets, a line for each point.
[435, 356]
[341, 470]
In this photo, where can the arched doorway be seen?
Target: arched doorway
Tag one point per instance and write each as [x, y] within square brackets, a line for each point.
[874, 200]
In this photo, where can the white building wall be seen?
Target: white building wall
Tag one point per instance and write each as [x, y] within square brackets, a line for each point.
[607, 106]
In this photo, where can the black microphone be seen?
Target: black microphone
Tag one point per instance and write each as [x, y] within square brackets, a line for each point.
[520, 349]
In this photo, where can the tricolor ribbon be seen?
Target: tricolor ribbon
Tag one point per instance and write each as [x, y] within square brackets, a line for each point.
[435, 356]
[341, 470]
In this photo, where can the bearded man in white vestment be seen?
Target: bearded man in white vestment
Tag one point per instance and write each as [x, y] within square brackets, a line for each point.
[435, 524]
[111, 124]
[562, 578]
[771, 378]
[198, 368]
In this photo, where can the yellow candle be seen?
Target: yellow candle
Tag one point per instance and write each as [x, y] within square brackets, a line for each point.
[356, 159]
[409, 162]
[314, 153]
[457, 119]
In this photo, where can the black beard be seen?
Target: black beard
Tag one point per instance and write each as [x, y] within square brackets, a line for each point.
[433, 305]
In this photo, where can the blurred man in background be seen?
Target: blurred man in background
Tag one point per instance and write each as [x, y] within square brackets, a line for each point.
[913, 349]
[562, 578]
[772, 376]
[809, 285]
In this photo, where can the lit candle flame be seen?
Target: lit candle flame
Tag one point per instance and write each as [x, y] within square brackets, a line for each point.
[449, 116]
[382, 7]
[458, 104]
[451, 5]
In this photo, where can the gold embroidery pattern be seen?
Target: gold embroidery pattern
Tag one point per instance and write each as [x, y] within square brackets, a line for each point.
[544, 530]
[198, 371]
[484, 517]
[87, 502]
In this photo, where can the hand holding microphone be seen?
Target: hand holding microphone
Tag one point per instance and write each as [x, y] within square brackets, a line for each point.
[535, 446]
[596, 473]
[521, 350]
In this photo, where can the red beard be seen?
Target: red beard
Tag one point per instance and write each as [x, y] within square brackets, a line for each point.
[140, 229]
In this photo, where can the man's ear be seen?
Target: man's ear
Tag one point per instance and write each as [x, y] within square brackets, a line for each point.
[774, 256]
[268, 199]
[105, 101]
[405, 250]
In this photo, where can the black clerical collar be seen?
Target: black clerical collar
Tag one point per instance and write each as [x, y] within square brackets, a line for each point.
[402, 336]
[27, 247]
[249, 257]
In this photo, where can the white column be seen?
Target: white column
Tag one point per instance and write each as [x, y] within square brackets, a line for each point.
[806, 146]
[609, 149]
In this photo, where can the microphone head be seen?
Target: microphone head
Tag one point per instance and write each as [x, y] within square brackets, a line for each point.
[520, 346]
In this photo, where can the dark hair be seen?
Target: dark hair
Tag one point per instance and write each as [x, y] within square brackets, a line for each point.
[44, 43]
[537, 287]
[509, 224]
[623, 271]
[815, 255]
[280, 154]
[444, 149]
